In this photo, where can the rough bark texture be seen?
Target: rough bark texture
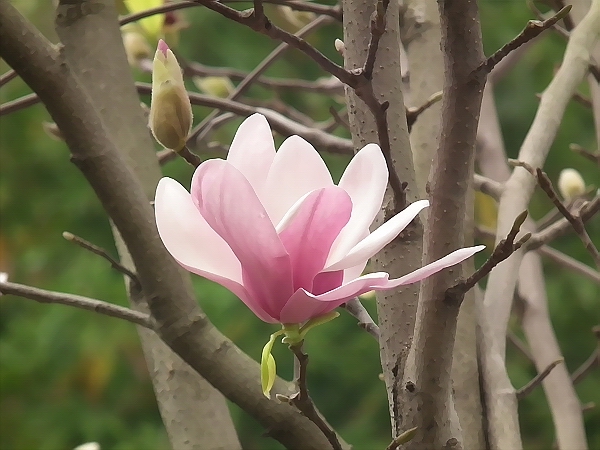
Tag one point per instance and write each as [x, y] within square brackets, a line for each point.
[180, 323]
[428, 391]
[426, 64]
[194, 413]
[500, 395]
[396, 310]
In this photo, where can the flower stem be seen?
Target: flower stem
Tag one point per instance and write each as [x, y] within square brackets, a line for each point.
[304, 403]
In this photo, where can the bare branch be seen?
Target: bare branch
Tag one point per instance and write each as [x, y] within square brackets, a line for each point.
[575, 221]
[89, 304]
[503, 250]
[102, 253]
[537, 380]
[519, 345]
[267, 28]
[202, 129]
[377, 30]
[570, 263]
[167, 7]
[487, 186]
[413, 113]
[278, 122]
[584, 212]
[594, 157]
[6, 77]
[19, 104]
[365, 321]
[531, 30]
[589, 364]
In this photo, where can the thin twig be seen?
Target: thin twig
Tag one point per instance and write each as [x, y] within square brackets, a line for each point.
[89, 304]
[589, 364]
[594, 157]
[18, 104]
[413, 113]
[503, 250]
[334, 11]
[531, 30]
[283, 125]
[570, 263]
[304, 403]
[585, 212]
[167, 7]
[377, 30]
[202, 129]
[274, 32]
[487, 186]
[365, 321]
[6, 77]
[103, 254]
[191, 158]
[575, 220]
[519, 345]
[537, 380]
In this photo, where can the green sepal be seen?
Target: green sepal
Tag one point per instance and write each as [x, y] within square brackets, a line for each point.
[268, 368]
[317, 321]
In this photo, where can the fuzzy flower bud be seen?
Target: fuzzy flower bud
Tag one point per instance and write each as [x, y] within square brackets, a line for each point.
[170, 108]
[340, 46]
[136, 45]
[570, 184]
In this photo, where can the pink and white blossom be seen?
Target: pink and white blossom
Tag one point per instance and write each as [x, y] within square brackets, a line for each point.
[274, 229]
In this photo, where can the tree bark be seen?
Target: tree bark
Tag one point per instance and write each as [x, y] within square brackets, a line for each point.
[396, 310]
[426, 67]
[428, 390]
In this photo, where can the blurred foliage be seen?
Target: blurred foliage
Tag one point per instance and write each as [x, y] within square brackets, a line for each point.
[69, 376]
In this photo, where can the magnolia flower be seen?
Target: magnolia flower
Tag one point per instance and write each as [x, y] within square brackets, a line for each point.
[170, 108]
[276, 231]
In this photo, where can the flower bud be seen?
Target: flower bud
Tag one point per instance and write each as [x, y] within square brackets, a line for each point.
[216, 86]
[570, 184]
[340, 46]
[136, 46]
[170, 108]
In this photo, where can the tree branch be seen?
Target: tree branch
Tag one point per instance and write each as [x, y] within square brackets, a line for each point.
[103, 254]
[575, 220]
[537, 380]
[365, 321]
[570, 263]
[179, 322]
[89, 304]
[531, 31]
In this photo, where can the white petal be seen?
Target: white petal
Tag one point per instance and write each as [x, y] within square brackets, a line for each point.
[297, 170]
[187, 236]
[365, 179]
[449, 260]
[379, 238]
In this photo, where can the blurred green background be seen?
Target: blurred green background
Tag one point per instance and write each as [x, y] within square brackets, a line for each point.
[69, 376]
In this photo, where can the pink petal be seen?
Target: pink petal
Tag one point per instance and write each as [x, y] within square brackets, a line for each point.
[451, 259]
[252, 151]
[195, 245]
[187, 236]
[365, 179]
[303, 305]
[379, 238]
[229, 204]
[297, 169]
[312, 230]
